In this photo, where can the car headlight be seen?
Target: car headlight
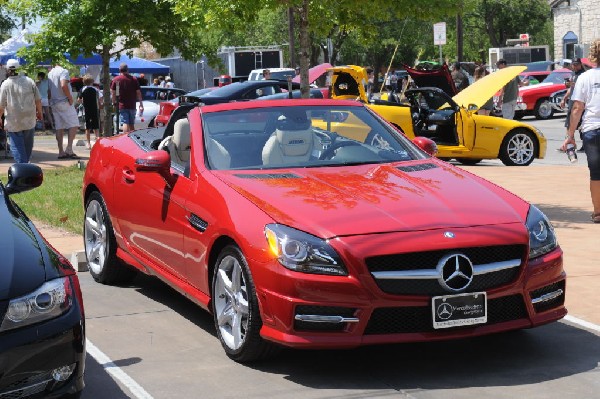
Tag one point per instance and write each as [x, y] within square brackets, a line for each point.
[52, 299]
[542, 238]
[303, 252]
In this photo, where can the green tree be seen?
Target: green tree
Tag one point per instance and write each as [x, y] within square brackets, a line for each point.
[89, 26]
[216, 21]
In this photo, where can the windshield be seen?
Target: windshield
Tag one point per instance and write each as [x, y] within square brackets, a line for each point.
[302, 136]
[558, 77]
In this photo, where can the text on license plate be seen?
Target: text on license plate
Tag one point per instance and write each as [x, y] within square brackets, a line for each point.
[459, 310]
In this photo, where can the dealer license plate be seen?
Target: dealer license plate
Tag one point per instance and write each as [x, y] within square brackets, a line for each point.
[459, 310]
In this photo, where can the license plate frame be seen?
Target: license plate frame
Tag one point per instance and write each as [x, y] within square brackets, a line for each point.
[459, 310]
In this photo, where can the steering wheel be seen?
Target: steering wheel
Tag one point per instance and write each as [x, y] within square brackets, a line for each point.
[330, 151]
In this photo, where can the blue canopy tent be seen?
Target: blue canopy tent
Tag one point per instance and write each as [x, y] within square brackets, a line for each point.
[138, 65]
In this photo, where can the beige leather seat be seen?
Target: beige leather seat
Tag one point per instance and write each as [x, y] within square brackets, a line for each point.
[180, 145]
[218, 155]
[289, 147]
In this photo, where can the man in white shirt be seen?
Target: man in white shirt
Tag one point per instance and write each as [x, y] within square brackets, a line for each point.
[586, 102]
[20, 98]
[63, 110]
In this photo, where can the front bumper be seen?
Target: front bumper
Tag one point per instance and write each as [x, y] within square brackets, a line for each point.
[311, 311]
[28, 356]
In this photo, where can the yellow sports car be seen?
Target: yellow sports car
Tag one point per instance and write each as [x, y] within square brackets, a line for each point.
[452, 122]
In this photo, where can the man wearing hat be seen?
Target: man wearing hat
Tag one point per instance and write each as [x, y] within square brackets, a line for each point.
[21, 100]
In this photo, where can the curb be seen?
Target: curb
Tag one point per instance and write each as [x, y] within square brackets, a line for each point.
[79, 261]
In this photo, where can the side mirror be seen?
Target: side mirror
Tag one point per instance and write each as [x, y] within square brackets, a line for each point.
[158, 161]
[427, 145]
[472, 108]
[23, 177]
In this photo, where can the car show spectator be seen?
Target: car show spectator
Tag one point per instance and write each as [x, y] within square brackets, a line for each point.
[586, 97]
[142, 80]
[63, 110]
[578, 69]
[42, 84]
[508, 94]
[91, 98]
[266, 74]
[20, 99]
[461, 80]
[168, 83]
[124, 90]
[161, 81]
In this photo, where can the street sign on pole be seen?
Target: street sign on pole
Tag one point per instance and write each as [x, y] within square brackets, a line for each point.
[439, 33]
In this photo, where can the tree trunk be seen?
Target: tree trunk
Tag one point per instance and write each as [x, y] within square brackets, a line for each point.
[108, 108]
[304, 49]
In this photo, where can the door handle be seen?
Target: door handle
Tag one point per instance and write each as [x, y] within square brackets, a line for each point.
[128, 175]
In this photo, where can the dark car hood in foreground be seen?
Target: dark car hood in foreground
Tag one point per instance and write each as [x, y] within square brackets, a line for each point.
[368, 199]
[22, 266]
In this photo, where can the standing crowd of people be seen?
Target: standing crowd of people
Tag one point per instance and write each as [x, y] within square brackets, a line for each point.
[50, 103]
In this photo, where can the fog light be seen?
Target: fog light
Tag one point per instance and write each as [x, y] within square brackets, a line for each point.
[63, 373]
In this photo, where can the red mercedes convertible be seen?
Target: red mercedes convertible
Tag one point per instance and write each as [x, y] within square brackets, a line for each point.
[293, 227]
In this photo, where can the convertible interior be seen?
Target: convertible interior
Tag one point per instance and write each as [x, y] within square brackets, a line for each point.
[273, 138]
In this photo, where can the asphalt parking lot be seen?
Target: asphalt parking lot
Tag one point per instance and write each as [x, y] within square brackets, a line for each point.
[147, 341]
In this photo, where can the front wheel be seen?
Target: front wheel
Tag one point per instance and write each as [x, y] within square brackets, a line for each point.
[543, 109]
[235, 309]
[518, 148]
[101, 245]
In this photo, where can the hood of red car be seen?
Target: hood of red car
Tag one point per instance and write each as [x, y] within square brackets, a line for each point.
[369, 199]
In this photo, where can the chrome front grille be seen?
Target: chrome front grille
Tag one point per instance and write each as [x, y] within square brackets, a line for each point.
[418, 273]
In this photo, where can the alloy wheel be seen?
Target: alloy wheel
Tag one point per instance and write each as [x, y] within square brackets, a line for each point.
[95, 236]
[520, 149]
[231, 302]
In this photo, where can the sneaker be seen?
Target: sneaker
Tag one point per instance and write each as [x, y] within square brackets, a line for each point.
[581, 149]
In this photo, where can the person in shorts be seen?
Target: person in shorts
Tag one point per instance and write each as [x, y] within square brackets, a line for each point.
[124, 90]
[586, 97]
[63, 110]
[91, 98]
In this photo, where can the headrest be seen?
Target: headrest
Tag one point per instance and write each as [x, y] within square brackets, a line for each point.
[293, 120]
[294, 142]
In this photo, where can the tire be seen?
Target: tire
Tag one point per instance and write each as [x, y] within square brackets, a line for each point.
[519, 115]
[101, 245]
[543, 109]
[468, 161]
[235, 309]
[518, 148]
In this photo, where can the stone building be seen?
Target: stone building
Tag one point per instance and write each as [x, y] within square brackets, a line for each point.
[576, 25]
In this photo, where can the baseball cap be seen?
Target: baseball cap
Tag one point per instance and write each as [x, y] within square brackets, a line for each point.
[168, 78]
[12, 63]
[577, 61]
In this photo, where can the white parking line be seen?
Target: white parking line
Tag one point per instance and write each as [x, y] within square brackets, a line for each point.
[582, 323]
[116, 372]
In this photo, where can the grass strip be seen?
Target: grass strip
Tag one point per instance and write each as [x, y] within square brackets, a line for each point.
[57, 202]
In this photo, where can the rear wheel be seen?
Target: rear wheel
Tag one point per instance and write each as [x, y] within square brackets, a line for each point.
[543, 109]
[235, 309]
[518, 148]
[101, 245]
